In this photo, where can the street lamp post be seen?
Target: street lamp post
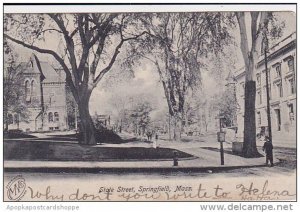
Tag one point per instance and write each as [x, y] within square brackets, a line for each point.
[267, 87]
[221, 139]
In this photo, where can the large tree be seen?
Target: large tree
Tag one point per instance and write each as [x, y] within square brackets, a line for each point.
[175, 44]
[91, 44]
[251, 29]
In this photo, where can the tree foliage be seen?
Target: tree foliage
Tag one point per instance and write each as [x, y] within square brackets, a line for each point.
[176, 44]
[13, 95]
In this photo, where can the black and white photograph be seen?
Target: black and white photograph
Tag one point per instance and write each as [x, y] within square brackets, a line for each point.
[149, 102]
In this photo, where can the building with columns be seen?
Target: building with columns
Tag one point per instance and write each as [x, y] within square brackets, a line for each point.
[282, 87]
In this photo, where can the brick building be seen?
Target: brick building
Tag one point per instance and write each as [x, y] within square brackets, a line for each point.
[44, 95]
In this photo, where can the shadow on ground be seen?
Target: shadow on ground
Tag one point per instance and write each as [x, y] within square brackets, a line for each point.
[227, 151]
[101, 137]
[61, 151]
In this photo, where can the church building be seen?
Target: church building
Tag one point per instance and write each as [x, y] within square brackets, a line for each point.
[44, 96]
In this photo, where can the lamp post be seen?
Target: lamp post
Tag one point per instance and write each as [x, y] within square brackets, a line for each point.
[266, 43]
[221, 139]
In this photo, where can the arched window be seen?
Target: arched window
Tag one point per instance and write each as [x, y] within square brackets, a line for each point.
[27, 91]
[50, 117]
[56, 117]
[10, 119]
[32, 88]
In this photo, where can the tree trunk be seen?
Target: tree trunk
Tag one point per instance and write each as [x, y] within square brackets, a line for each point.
[250, 56]
[249, 147]
[87, 126]
[6, 122]
[18, 122]
[176, 127]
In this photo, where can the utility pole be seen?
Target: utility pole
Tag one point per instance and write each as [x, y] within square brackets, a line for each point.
[265, 39]
[169, 126]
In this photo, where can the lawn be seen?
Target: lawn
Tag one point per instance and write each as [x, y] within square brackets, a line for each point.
[58, 151]
[102, 136]
[16, 134]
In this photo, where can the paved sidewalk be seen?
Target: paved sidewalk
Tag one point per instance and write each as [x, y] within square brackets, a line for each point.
[207, 160]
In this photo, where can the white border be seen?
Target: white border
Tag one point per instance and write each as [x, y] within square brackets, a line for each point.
[169, 206]
[144, 8]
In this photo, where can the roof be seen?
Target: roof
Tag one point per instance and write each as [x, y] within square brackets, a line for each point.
[48, 73]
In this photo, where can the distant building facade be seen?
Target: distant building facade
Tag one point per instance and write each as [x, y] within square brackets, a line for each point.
[44, 96]
[282, 87]
[103, 120]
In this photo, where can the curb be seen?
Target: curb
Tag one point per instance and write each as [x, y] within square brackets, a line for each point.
[126, 169]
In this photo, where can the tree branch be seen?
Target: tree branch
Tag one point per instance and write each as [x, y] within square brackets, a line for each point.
[100, 28]
[108, 67]
[116, 52]
[254, 17]
[55, 55]
[70, 46]
[244, 40]
[45, 30]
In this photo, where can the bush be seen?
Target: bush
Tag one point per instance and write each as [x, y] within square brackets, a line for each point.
[15, 131]
[104, 135]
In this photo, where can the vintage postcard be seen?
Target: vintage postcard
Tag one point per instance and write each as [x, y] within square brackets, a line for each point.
[149, 102]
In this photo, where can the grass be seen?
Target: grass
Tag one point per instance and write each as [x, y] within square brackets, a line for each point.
[58, 151]
[11, 135]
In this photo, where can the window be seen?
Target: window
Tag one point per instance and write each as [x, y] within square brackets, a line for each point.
[56, 117]
[259, 118]
[278, 117]
[291, 65]
[291, 112]
[32, 88]
[258, 79]
[279, 90]
[278, 71]
[259, 97]
[292, 86]
[265, 91]
[50, 117]
[27, 91]
[270, 93]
